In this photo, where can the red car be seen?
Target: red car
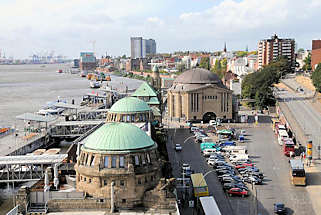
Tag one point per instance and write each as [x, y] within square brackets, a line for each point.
[237, 192]
[244, 165]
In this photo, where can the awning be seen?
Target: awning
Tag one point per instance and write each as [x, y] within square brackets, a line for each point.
[36, 117]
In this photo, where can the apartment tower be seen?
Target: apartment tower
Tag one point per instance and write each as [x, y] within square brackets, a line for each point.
[270, 50]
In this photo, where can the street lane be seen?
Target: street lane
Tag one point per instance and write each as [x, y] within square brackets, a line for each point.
[267, 155]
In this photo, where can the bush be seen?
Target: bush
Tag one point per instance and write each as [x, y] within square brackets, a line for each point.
[316, 78]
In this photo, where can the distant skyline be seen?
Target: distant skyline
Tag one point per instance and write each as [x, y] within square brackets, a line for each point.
[68, 26]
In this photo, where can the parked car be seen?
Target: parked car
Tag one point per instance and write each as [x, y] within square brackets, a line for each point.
[187, 171]
[237, 192]
[228, 186]
[279, 208]
[222, 172]
[244, 165]
[178, 147]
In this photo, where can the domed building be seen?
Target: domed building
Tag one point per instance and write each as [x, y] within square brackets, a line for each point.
[199, 94]
[118, 158]
[130, 109]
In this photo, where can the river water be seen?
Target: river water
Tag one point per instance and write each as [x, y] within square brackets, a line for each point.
[27, 88]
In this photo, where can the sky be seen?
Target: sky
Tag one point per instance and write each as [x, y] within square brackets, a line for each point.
[68, 27]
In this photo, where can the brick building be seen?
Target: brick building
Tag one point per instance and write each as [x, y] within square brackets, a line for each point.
[316, 53]
[270, 50]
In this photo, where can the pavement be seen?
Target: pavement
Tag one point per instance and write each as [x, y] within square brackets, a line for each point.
[267, 155]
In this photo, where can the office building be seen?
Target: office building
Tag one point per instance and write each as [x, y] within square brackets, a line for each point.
[270, 50]
[315, 54]
[87, 61]
[141, 48]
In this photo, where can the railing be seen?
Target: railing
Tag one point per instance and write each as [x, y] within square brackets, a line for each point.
[13, 211]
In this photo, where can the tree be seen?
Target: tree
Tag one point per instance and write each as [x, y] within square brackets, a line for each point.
[300, 50]
[124, 56]
[259, 85]
[316, 78]
[241, 53]
[205, 63]
[307, 63]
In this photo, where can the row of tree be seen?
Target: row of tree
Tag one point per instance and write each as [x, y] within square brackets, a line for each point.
[219, 68]
[259, 85]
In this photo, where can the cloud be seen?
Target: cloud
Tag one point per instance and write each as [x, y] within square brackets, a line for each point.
[68, 26]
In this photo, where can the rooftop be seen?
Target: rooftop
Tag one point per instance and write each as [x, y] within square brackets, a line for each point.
[129, 105]
[144, 90]
[197, 76]
[118, 137]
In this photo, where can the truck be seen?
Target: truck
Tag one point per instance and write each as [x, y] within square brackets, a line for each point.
[282, 134]
[288, 146]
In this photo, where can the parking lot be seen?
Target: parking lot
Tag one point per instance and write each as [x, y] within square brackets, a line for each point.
[267, 156]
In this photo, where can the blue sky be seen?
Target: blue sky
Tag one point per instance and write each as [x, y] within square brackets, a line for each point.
[68, 26]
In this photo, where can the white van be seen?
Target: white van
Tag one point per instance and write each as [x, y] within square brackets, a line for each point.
[206, 139]
[208, 152]
[282, 135]
[237, 157]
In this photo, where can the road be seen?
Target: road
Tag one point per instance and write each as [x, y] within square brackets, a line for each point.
[306, 116]
[267, 155]
[191, 154]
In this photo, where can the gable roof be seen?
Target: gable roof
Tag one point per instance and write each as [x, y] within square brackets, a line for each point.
[153, 101]
[145, 90]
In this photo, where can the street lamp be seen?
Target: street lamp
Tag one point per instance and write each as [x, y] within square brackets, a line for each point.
[187, 139]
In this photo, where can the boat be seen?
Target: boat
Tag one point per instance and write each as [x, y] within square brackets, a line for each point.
[94, 84]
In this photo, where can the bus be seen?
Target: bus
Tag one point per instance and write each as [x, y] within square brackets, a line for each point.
[208, 206]
[297, 172]
[199, 185]
[207, 145]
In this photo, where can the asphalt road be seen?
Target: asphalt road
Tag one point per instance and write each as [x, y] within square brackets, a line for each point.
[191, 155]
[267, 154]
[306, 116]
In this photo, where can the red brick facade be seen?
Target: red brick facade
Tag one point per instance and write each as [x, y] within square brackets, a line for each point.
[316, 53]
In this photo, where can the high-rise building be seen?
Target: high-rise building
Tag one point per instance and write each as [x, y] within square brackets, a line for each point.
[270, 50]
[141, 48]
[315, 54]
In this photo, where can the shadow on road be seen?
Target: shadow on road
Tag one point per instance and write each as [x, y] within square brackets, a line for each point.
[313, 178]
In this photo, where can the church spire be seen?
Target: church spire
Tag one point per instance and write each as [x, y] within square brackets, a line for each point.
[225, 47]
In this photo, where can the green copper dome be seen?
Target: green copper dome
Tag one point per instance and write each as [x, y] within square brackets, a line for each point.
[129, 105]
[118, 137]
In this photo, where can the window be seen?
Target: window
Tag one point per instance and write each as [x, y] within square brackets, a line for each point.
[85, 179]
[113, 162]
[89, 181]
[123, 118]
[143, 160]
[139, 181]
[86, 158]
[146, 180]
[105, 182]
[140, 117]
[121, 162]
[92, 160]
[152, 178]
[128, 118]
[136, 160]
[133, 118]
[123, 200]
[122, 183]
[106, 161]
[148, 158]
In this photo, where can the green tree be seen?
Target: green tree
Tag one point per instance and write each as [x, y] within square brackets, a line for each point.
[259, 85]
[307, 63]
[205, 63]
[300, 50]
[316, 78]
[241, 53]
